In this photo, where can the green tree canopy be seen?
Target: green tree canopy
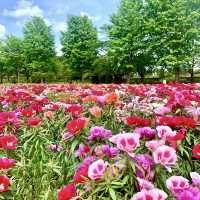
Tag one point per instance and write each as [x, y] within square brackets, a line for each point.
[154, 34]
[39, 46]
[79, 43]
[13, 56]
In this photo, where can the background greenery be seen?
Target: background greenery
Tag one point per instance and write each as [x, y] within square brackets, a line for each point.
[147, 41]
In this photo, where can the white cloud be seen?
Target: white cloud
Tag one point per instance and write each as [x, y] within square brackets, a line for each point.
[93, 18]
[59, 50]
[2, 31]
[24, 8]
[60, 26]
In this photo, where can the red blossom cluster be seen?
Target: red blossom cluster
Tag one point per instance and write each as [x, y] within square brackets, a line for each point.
[177, 121]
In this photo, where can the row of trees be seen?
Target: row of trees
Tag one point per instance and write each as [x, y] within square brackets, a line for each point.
[154, 36]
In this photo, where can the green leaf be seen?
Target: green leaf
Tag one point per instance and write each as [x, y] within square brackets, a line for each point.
[112, 194]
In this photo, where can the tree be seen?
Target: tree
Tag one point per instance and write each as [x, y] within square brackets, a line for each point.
[174, 28]
[13, 56]
[129, 41]
[2, 61]
[154, 34]
[39, 47]
[79, 43]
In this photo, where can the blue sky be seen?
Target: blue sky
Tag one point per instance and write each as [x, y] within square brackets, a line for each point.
[14, 13]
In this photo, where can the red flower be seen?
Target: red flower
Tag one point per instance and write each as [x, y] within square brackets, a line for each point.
[177, 121]
[81, 174]
[55, 107]
[1, 128]
[8, 142]
[4, 183]
[36, 107]
[27, 112]
[6, 163]
[176, 139]
[74, 126]
[67, 192]
[180, 135]
[75, 109]
[8, 118]
[196, 151]
[137, 121]
[33, 121]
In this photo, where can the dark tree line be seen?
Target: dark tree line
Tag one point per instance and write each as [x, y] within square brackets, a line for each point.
[143, 37]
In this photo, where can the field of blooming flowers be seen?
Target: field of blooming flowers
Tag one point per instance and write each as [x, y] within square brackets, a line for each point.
[100, 142]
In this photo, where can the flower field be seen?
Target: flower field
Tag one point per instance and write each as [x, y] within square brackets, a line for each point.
[100, 142]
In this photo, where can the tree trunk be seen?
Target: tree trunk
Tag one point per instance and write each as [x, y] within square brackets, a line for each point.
[17, 76]
[192, 75]
[192, 71]
[177, 74]
[1, 74]
[142, 78]
[128, 80]
[1, 78]
[27, 78]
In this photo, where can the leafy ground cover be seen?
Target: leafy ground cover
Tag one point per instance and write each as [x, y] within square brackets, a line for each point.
[100, 142]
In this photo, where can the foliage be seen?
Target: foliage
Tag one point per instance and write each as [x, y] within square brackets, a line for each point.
[154, 38]
[79, 43]
[38, 46]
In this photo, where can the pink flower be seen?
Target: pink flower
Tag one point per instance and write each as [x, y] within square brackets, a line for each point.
[144, 184]
[96, 170]
[177, 183]
[154, 194]
[154, 144]
[165, 156]
[127, 142]
[164, 132]
[162, 110]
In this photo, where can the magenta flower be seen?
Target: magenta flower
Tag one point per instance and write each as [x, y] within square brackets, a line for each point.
[110, 151]
[154, 194]
[191, 193]
[146, 132]
[99, 132]
[144, 168]
[106, 150]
